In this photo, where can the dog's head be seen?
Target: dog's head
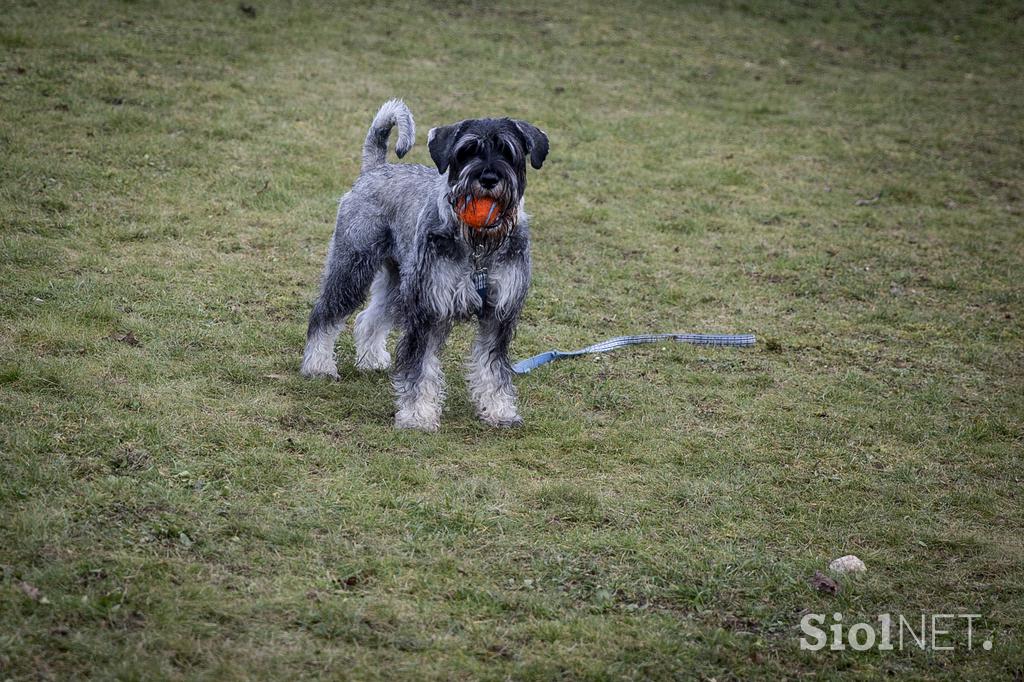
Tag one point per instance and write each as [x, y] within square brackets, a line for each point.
[487, 158]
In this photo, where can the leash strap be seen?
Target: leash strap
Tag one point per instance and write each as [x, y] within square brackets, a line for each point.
[738, 340]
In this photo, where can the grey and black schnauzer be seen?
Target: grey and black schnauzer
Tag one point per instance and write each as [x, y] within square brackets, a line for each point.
[399, 235]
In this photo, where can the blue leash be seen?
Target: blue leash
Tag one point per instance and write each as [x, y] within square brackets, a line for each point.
[741, 340]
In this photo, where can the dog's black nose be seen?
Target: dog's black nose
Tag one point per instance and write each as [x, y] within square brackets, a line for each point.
[488, 179]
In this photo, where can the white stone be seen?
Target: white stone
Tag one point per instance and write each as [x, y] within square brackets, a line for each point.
[847, 564]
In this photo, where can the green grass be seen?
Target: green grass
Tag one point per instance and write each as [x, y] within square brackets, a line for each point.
[189, 507]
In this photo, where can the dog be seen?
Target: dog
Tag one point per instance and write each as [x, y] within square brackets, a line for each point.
[400, 235]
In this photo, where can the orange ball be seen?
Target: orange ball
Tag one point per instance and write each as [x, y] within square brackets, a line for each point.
[478, 212]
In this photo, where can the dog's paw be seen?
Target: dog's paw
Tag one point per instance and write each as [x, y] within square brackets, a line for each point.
[373, 362]
[319, 368]
[321, 374]
[504, 421]
[416, 423]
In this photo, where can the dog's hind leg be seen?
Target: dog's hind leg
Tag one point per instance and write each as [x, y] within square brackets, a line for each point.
[374, 323]
[347, 277]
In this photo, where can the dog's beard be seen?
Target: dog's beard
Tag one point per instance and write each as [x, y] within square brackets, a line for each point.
[505, 194]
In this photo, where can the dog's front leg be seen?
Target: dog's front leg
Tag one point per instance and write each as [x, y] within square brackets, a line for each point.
[489, 370]
[418, 379]
[490, 373]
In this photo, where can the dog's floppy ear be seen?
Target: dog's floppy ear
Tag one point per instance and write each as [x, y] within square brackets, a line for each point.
[440, 141]
[536, 142]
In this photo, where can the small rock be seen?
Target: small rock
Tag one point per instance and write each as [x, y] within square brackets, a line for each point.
[847, 564]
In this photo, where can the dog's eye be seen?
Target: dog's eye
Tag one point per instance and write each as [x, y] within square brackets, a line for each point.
[506, 151]
[465, 153]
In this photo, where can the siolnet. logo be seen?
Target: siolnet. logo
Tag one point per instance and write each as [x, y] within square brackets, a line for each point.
[937, 631]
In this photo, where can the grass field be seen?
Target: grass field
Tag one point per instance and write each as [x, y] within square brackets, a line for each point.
[847, 183]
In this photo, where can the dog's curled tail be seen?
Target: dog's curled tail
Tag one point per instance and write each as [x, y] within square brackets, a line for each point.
[375, 149]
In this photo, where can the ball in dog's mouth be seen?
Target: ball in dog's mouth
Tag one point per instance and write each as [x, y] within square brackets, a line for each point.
[478, 212]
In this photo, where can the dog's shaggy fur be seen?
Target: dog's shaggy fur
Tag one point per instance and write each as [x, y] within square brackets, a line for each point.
[398, 236]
